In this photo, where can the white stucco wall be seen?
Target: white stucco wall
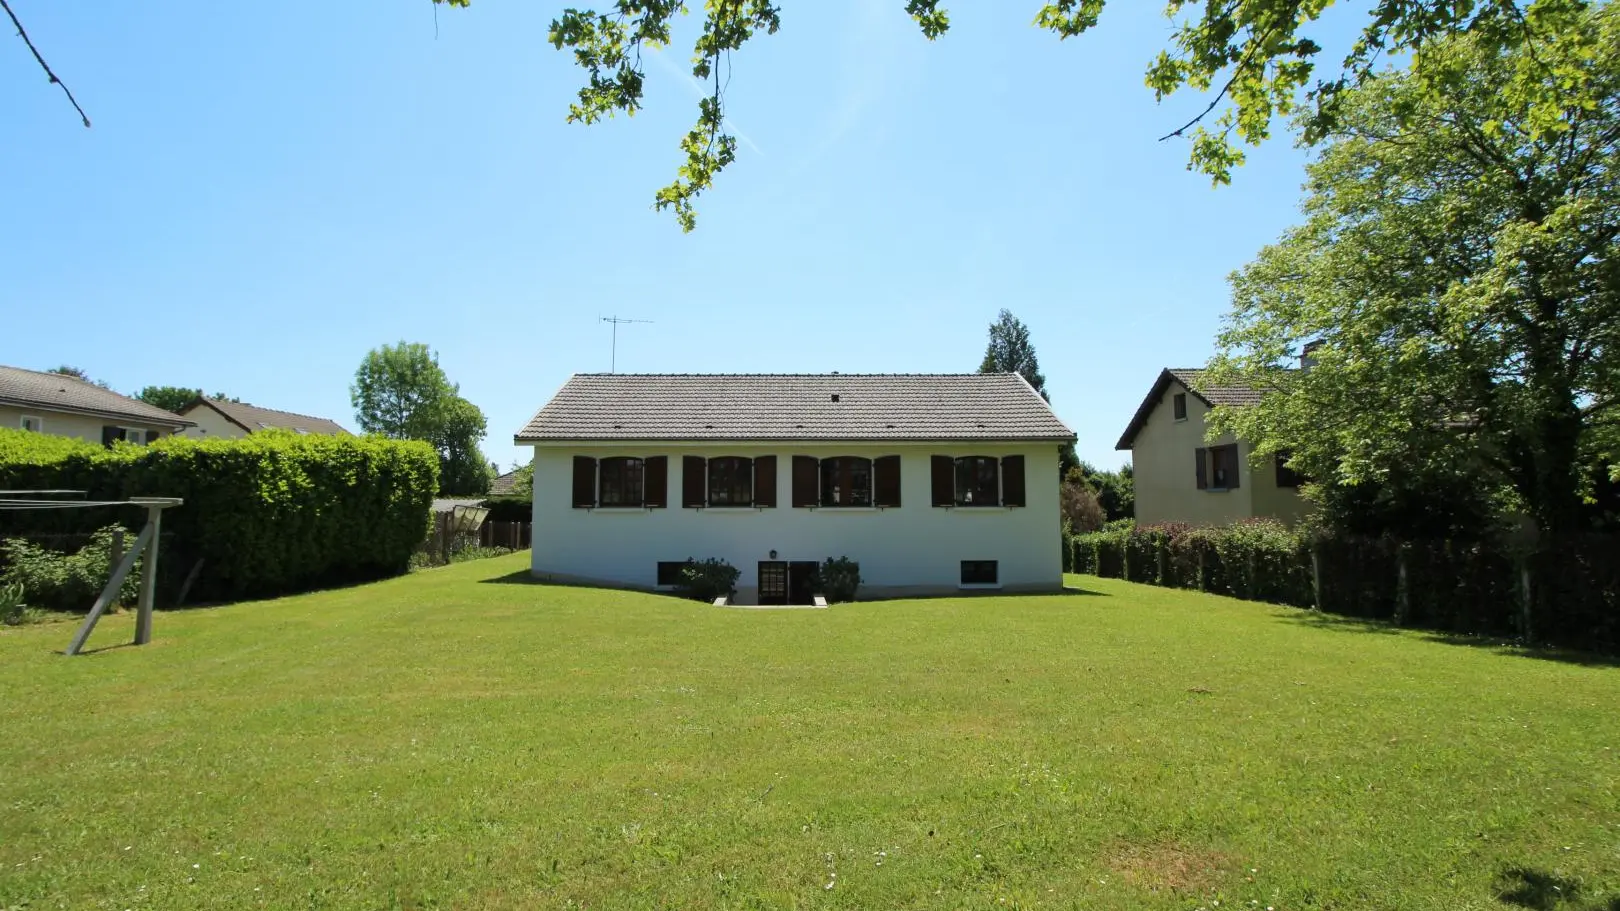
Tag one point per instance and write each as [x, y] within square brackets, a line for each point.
[913, 549]
[211, 425]
[61, 424]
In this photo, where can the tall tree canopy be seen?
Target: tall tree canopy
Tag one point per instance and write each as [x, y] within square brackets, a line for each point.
[1011, 351]
[1458, 268]
[400, 391]
[1257, 57]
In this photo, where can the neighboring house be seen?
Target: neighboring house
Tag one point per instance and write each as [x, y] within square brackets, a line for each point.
[217, 419]
[1182, 477]
[933, 483]
[505, 485]
[66, 406]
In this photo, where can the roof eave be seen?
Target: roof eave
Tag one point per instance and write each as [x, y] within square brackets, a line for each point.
[178, 423]
[522, 440]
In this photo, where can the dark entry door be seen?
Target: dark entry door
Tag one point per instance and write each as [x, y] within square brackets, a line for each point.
[801, 582]
[773, 583]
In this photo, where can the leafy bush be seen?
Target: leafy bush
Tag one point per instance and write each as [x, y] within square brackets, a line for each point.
[13, 607]
[67, 582]
[839, 578]
[1082, 511]
[706, 580]
[270, 513]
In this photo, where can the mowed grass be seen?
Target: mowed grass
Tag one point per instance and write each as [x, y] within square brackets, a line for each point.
[453, 740]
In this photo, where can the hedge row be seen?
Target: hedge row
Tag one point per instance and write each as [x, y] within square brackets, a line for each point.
[1565, 592]
[271, 513]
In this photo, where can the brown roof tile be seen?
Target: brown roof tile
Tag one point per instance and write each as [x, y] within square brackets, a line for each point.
[252, 418]
[834, 407]
[59, 392]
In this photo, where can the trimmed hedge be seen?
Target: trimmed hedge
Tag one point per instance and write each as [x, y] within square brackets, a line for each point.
[1475, 588]
[271, 513]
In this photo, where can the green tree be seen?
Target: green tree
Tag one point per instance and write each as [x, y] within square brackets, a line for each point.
[175, 398]
[1011, 351]
[1457, 271]
[463, 470]
[1258, 57]
[1115, 490]
[78, 374]
[400, 391]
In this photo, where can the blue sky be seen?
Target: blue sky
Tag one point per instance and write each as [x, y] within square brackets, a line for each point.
[271, 190]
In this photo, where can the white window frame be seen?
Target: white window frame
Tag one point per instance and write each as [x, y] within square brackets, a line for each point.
[39, 423]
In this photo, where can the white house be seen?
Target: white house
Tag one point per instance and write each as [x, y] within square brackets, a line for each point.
[933, 483]
[66, 406]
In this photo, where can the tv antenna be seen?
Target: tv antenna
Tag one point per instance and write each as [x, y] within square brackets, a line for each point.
[613, 361]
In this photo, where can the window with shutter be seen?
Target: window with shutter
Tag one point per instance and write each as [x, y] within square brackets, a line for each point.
[978, 481]
[584, 482]
[804, 481]
[846, 481]
[731, 481]
[765, 482]
[1179, 406]
[656, 469]
[110, 434]
[621, 482]
[1201, 456]
[1223, 467]
[1012, 481]
[886, 481]
[942, 486]
[693, 472]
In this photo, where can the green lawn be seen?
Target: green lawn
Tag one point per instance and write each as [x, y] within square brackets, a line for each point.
[445, 740]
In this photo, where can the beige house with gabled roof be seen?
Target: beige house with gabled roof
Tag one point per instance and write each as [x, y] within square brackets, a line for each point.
[66, 406]
[222, 420]
[1181, 476]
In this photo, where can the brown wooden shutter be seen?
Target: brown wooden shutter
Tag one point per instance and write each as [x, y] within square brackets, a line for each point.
[656, 481]
[765, 481]
[944, 481]
[1234, 470]
[1203, 468]
[1012, 481]
[109, 434]
[886, 481]
[584, 482]
[806, 484]
[693, 481]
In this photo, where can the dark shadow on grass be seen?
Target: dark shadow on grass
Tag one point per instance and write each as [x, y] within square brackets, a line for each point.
[1539, 890]
[100, 649]
[1495, 645]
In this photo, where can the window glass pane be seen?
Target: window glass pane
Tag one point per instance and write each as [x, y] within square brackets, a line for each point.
[731, 481]
[846, 481]
[1181, 405]
[1223, 466]
[622, 481]
[977, 481]
[979, 572]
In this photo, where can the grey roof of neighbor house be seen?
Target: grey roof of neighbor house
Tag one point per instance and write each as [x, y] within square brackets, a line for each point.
[252, 418]
[504, 485]
[59, 392]
[841, 407]
[1193, 379]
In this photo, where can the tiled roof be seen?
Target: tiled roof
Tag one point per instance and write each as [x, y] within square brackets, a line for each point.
[835, 407]
[59, 392]
[1192, 378]
[504, 485]
[252, 418]
[1236, 396]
